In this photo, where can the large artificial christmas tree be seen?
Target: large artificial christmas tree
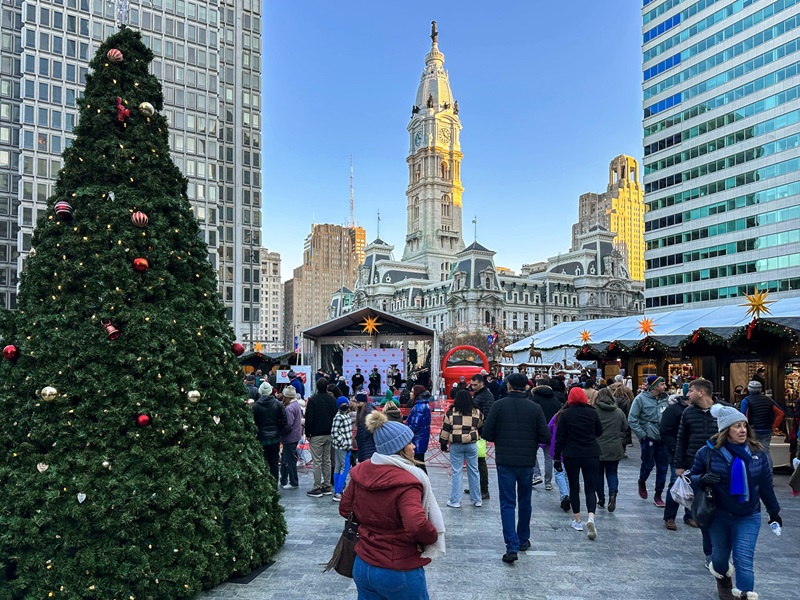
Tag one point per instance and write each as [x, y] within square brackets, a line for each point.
[129, 466]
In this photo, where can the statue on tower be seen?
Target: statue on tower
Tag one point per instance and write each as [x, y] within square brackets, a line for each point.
[430, 98]
[455, 107]
[434, 33]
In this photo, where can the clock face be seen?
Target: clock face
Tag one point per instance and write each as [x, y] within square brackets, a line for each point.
[444, 135]
[418, 138]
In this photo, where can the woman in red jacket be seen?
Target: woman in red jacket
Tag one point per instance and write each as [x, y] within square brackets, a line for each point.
[401, 525]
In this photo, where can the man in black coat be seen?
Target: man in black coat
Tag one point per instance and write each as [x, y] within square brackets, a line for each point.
[696, 427]
[270, 418]
[320, 410]
[517, 427]
[670, 422]
[543, 396]
[357, 380]
[483, 400]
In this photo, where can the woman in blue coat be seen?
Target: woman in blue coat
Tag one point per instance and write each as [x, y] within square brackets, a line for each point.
[740, 475]
[419, 421]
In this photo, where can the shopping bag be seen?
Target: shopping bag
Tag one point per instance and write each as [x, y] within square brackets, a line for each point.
[481, 448]
[682, 492]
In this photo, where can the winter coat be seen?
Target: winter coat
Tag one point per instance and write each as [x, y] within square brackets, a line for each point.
[387, 502]
[364, 440]
[419, 421]
[270, 419]
[357, 380]
[460, 429]
[494, 388]
[645, 415]
[320, 410]
[670, 423]
[343, 389]
[299, 387]
[759, 480]
[252, 392]
[484, 400]
[516, 425]
[577, 432]
[762, 412]
[342, 431]
[294, 424]
[543, 396]
[623, 395]
[694, 430]
[614, 424]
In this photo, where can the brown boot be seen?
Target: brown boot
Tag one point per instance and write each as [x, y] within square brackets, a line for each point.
[725, 584]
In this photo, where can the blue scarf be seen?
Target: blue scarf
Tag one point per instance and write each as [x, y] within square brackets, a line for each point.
[740, 457]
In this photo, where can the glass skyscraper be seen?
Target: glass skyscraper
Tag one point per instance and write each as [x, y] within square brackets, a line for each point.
[721, 99]
[208, 58]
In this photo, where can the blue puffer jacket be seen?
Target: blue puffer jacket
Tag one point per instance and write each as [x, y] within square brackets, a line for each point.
[759, 479]
[419, 421]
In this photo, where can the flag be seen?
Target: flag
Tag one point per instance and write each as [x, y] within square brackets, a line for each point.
[296, 345]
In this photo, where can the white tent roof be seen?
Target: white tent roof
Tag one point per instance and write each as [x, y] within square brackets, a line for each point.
[674, 322]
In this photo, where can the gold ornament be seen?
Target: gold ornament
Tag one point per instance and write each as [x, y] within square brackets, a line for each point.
[370, 325]
[147, 109]
[49, 393]
[646, 326]
[586, 336]
[194, 396]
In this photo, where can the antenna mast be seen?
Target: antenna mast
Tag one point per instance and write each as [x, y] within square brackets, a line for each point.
[352, 222]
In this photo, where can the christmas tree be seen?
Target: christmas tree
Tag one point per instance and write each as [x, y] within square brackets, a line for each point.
[129, 465]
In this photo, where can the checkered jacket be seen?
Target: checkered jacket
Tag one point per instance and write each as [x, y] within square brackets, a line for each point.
[460, 429]
[342, 431]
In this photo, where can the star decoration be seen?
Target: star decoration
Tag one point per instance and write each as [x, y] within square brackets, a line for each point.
[257, 347]
[370, 325]
[586, 336]
[646, 326]
[757, 304]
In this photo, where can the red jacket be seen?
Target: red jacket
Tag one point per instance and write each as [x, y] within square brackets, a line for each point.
[387, 502]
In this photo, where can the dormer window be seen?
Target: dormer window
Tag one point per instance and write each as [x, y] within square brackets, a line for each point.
[488, 283]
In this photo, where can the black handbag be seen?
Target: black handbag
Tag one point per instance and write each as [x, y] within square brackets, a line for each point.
[703, 504]
[344, 554]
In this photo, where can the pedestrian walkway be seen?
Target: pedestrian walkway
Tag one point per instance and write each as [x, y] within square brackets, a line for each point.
[633, 558]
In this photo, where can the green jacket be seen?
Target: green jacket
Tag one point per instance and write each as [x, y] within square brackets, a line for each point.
[645, 415]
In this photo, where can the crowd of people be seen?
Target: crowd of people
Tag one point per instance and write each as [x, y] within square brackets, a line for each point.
[373, 463]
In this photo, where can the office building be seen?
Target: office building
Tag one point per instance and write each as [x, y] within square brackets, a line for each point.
[207, 56]
[721, 159]
[271, 330]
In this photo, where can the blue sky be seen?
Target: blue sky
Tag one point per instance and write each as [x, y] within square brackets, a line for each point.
[549, 93]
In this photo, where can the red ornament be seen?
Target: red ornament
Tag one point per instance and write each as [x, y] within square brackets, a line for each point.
[114, 56]
[143, 420]
[112, 332]
[611, 345]
[751, 328]
[695, 336]
[139, 219]
[122, 112]
[140, 265]
[237, 348]
[11, 352]
[63, 209]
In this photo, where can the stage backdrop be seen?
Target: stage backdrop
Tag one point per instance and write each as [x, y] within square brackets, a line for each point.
[383, 358]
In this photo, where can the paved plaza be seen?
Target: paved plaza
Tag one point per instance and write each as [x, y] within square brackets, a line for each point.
[633, 558]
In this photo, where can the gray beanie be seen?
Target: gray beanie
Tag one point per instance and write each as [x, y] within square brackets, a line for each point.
[390, 437]
[726, 416]
[265, 389]
[754, 386]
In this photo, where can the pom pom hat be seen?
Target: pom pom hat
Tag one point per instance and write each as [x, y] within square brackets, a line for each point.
[390, 437]
[726, 416]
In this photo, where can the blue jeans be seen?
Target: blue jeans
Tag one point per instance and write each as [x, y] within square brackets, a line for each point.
[375, 583]
[561, 482]
[654, 453]
[671, 507]
[458, 454]
[737, 535]
[609, 469]
[289, 464]
[515, 483]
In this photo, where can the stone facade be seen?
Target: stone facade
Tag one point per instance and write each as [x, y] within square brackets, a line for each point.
[442, 284]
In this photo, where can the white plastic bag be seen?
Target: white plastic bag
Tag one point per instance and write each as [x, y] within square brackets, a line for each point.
[682, 492]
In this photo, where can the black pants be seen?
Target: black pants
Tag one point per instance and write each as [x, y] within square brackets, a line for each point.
[483, 471]
[590, 467]
[271, 454]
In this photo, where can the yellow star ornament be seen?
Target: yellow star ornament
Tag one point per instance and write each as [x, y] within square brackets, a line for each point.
[757, 304]
[586, 336]
[258, 347]
[370, 325]
[646, 326]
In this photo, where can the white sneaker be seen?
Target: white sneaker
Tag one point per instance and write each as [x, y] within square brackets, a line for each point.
[454, 504]
[478, 504]
[548, 486]
[289, 486]
[592, 534]
[577, 525]
[537, 480]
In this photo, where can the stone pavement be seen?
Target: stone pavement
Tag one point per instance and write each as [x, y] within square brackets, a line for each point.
[633, 558]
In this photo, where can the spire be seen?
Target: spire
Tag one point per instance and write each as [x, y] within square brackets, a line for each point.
[434, 34]
[434, 82]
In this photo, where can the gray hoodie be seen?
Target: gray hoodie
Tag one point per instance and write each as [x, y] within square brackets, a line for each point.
[645, 415]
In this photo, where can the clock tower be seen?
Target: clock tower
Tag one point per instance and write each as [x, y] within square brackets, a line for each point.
[433, 229]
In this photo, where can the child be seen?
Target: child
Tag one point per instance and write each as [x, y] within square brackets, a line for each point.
[342, 441]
